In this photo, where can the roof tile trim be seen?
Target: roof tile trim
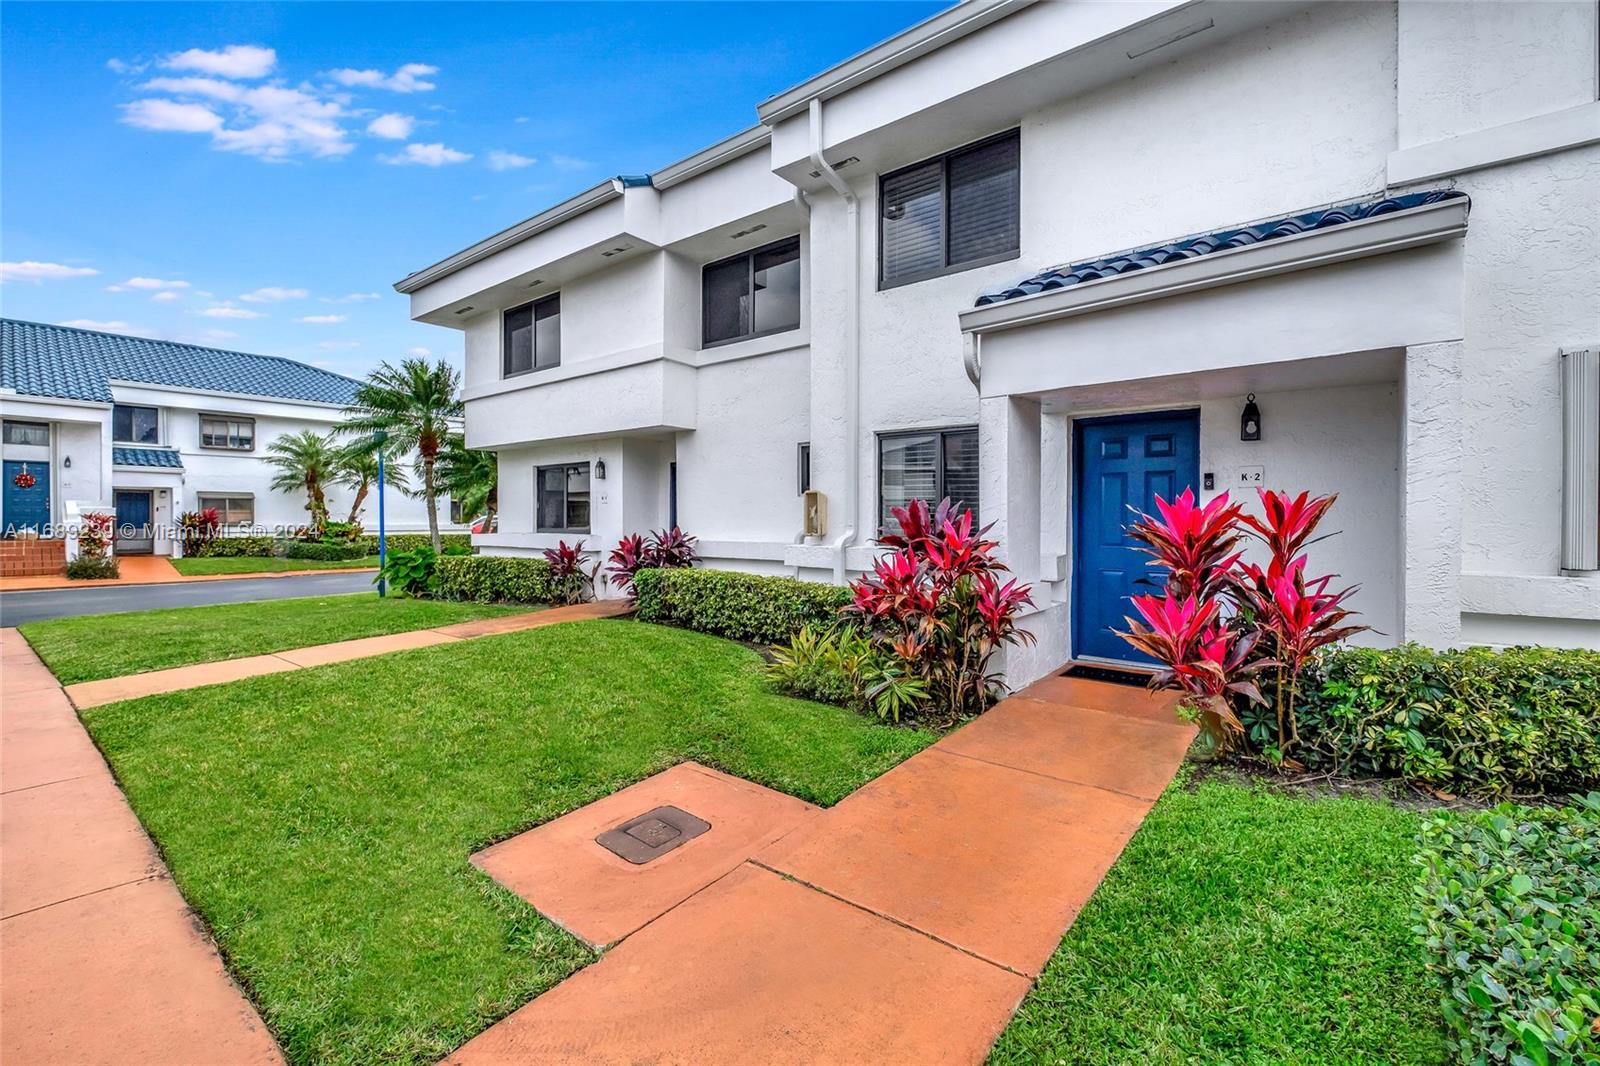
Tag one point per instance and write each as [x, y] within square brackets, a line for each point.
[157, 457]
[1217, 241]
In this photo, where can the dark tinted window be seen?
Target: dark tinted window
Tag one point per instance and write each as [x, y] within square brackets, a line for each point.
[532, 336]
[960, 210]
[135, 425]
[927, 465]
[563, 498]
[751, 294]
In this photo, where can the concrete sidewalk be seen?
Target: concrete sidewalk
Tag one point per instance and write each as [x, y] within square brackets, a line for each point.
[131, 686]
[104, 962]
[157, 570]
[903, 926]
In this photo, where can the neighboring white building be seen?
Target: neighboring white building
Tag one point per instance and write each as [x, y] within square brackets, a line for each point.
[1382, 220]
[151, 429]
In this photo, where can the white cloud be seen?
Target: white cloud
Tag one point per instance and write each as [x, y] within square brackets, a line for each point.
[391, 127]
[35, 272]
[352, 298]
[420, 353]
[273, 294]
[322, 320]
[166, 296]
[499, 160]
[272, 122]
[115, 326]
[229, 311]
[339, 346]
[567, 162]
[426, 155]
[146, 284]
[171, 116]
[520, 119]
[408, 79]
[121, 66]
[234, 61]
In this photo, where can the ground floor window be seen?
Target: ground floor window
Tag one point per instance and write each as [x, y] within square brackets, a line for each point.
[35, 434]
[456, 516]
[563, 498]
[232, 509]
[927, 465]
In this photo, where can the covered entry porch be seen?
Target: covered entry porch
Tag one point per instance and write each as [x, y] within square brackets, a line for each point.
[1096, 395]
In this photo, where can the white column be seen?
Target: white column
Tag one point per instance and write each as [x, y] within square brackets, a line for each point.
[1008, 443]
[1430, 495]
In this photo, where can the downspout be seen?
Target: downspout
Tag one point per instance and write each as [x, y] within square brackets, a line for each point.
[852, 404]
[804, 205]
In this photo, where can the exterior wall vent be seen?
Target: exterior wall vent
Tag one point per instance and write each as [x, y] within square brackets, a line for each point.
[1580, 419]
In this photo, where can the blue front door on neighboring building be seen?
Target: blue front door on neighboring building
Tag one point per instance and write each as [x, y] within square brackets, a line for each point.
[26, 508]
[1122, 463]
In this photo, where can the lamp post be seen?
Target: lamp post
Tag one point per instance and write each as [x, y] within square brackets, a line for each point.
[379, 437]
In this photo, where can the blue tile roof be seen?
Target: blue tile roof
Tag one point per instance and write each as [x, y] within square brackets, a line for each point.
[163, 457]
[1206, 243]
[80, 364]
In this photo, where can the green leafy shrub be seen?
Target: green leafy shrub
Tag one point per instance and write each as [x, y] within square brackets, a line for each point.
[234, 547]
[412, 573]
[737, 605]
[327, 551]
[1522, 720]
[404, 542]
[843, 665]
[92, 568]
[492, 579]
[1507, 910]
[341, 531]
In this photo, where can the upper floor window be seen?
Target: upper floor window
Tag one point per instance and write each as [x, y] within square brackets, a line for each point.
[227, 431]
[135, 425]
[958, 211]
[32, 433]
[532, 336]
[752, 294]
[563, 503]
[927, 465]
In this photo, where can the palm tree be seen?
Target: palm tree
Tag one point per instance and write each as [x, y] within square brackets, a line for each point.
[358, 469]
[305, 462]
[414, 404]
[473, 478]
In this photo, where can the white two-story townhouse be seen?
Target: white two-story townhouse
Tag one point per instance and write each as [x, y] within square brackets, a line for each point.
[150, 429]
[1054, 258]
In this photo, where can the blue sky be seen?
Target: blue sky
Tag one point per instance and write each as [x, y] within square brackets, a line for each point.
[256, 176]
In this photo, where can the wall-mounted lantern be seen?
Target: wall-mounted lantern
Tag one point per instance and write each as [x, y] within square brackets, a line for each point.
[1250, 421]
[66, 462]
[599, 469]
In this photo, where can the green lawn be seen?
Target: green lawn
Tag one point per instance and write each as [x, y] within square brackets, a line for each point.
[259, 564]
[110, 645]
[321, 820]
[1245, 926]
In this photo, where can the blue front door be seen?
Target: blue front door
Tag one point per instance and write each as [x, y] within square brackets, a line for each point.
[1122, 463]
[26, 508]
[134, 535]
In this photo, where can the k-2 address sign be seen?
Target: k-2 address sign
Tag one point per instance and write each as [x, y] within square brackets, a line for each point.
[1250, 477]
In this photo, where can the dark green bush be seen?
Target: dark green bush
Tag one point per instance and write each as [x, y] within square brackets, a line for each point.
[737, 605]
[327, 551]
[1509, 912]
[1522, 720]
[233, 547]
[492, 579]
[92, 568]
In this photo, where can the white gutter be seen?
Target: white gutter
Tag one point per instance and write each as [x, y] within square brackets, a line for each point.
[852, 372]
[804, 205]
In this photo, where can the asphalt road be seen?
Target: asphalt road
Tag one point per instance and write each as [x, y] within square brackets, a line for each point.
[37, 605]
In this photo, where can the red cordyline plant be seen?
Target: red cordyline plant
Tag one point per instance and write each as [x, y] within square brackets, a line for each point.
[665, 549]
[94, 534]
[571, 581]
[1222, 621]
[938, 603]
[198, 528]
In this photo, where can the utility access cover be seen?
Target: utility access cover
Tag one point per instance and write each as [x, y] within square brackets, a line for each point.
[652, 834]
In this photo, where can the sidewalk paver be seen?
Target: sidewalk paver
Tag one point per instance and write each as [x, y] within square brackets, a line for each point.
[103, 961]
[87, 694]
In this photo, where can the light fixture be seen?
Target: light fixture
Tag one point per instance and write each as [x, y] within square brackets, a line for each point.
[599, 469]
[1172, 38]
[1250, 421]
[66, 463]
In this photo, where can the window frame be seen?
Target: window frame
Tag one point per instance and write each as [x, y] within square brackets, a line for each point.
[749, 278]
[532, 307]
[566, 502]
[135, 407]
[5, 428]
[200, 499]
[939, 431]
[240, 419]
[802, 470]
[943, 159]
[456, 514]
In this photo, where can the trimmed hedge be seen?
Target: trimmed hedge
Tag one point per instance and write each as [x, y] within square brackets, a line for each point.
[234, 547]
[327, 551]
[1522, 720]
[404, 542]
[741, 606]
[1508, 913]
[492, 579]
